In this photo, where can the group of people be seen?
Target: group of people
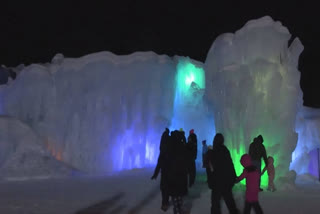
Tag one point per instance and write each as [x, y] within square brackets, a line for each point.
[222, 176]
[178, 168]
[177, 164]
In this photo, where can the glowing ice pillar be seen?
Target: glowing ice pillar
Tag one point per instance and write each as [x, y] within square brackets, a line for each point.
[253, 84]
[190, 109]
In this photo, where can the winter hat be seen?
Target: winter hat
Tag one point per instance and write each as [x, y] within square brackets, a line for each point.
[245, 160]
[181, 129]
[191, 131]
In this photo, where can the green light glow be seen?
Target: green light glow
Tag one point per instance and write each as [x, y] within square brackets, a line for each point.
[188, 73]
[236, 154]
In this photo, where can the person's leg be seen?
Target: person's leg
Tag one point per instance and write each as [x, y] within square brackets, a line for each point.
[230, 202]
[180, 203]
[247, 208]
[203, 165]
[175, 201]
[215, 202]
[272, 187]
[259, 169]
[165, 200]
[192, 173]
[257, 164]
[164, 190]
[269, 184]
[257, 208]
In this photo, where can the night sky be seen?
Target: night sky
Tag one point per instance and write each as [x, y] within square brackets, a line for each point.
[34, 31]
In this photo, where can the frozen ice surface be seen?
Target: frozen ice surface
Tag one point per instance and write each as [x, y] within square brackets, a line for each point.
[252, 83]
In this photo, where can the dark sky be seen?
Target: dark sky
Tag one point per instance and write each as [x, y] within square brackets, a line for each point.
[34, 31]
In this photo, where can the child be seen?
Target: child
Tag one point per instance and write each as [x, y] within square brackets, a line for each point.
[252, 175]
[271, 174]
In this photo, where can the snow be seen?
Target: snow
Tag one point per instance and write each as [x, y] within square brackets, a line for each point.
[133, 192]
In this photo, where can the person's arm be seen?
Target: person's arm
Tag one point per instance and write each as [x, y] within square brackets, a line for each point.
[264, 155]
[263, 171]
[242, 176]
[156, 170]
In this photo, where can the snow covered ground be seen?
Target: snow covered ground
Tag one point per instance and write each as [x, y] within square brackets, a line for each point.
[132, 192]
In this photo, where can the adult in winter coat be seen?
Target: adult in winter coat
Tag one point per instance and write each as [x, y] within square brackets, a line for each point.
[222, 176]
[252, 176]
[256, 152]
[177, 170]
[192, 149]
[163, 166]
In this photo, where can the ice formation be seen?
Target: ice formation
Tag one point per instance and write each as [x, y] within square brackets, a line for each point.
[253, 87]
[305, 158]
[22, 155]
[104, 113]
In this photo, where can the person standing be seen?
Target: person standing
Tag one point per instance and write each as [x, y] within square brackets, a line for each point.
[252, 176]
[177, 171]
[271, 174]
[192, 149]
[222, 176]
[162, 165]
[256, 152]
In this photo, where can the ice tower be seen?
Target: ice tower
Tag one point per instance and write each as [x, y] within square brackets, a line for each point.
[253, 85]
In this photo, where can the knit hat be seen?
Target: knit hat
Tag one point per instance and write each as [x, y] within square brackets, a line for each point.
[191, 131]
[181, 129]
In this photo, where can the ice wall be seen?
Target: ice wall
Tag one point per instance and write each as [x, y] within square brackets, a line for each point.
[103, 113]
[253, 86]
[100, 112]
[22, 154]
[305, 158]
[190, 110]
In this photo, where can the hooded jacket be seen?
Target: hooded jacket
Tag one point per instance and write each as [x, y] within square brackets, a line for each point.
[223, 175]
[252, 176]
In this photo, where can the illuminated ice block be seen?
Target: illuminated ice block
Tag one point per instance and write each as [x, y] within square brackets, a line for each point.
[252, 83]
